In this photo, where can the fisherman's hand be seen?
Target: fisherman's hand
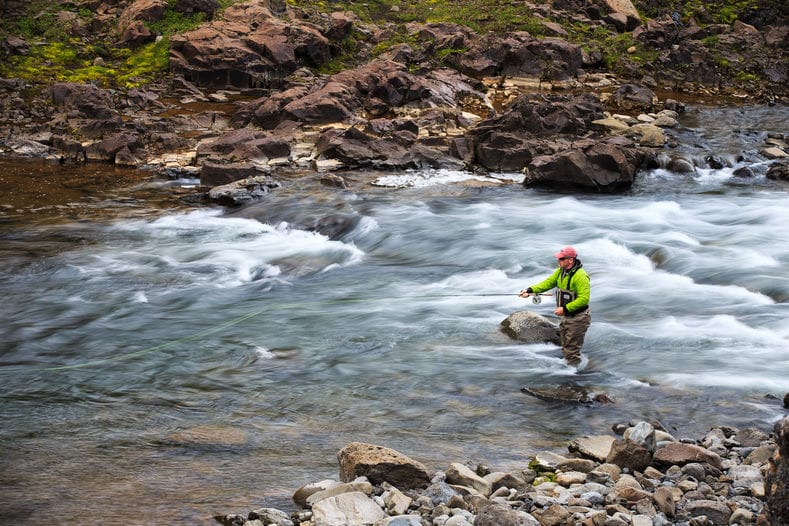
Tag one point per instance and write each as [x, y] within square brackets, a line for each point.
[559, 311]
[524, 294]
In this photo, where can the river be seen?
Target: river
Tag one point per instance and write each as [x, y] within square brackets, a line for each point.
[164, 362]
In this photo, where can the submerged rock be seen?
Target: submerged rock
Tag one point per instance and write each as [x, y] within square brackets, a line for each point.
[568, 393]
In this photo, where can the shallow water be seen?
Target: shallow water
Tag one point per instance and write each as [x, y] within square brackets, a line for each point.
[168, 363]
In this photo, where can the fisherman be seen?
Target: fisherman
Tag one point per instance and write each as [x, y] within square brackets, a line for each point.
[572, 302]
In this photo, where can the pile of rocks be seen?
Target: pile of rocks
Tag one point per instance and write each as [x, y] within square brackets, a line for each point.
[644, 477]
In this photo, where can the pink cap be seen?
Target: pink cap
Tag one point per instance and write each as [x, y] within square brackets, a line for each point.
[566, 252]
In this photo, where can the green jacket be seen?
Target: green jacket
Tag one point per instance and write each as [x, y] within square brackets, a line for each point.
[576, 280]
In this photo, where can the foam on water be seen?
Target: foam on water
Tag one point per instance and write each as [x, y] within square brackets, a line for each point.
[206, 248]
[438, 177]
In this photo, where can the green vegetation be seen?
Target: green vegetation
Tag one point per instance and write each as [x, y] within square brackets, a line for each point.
[56, 51]
[704, 12]
[480, 15]
[57, 55]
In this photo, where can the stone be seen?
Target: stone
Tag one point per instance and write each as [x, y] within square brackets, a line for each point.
[648, 135]
[271, 516]
[774, 153]
[381, 464]
[554, 515]
[594, 447]
[715, 511]
[584, 465]
[546, 461]
[751, 437]
[529, 327]
[568, 393]
[400, 520]
[743, 476]
[569, 478]
[604, 165]
[680, 454]
[513, 480]
[664, 499]
[611, 125]
[396, 501]
[360, 486]
[500, 515]
[241, 192]
[761, 454]
[348, 509]
[302, 494]
[630, 455]
[462, 475]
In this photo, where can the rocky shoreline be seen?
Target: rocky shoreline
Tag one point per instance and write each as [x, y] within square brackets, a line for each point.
[638, 476]
[243, 105]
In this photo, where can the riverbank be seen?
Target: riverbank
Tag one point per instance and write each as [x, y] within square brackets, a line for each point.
[252, 90]
[640, 476]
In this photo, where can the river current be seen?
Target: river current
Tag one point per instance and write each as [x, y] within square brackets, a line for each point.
[164, 363]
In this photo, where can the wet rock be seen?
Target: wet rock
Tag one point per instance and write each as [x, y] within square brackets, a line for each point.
[244, 191]
[568, 393]
[530, 327]
[607, 165]
[210, 436]
[780, 171]
[680, 165]
[744, 172]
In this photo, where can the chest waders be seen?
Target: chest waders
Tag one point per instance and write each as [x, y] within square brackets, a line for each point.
[565, 296]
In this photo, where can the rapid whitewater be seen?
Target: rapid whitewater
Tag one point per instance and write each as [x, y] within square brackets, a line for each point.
[195, 360]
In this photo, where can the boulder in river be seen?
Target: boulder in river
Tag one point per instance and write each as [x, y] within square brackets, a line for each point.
[530, 327]
[380, 464]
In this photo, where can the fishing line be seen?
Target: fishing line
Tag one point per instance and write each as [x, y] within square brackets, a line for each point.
[258, 312]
